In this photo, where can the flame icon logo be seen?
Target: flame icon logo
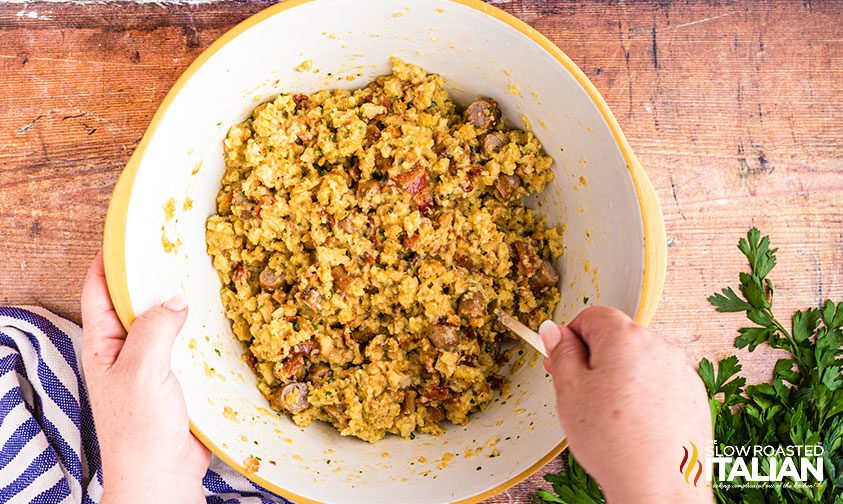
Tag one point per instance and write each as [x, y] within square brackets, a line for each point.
[690, 461]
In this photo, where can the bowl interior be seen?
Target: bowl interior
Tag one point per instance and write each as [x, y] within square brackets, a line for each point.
[592, 196]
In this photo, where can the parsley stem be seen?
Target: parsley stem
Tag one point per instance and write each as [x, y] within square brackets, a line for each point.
[790, 341]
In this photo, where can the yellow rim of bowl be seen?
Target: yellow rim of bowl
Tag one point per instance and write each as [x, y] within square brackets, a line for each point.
[655, 245]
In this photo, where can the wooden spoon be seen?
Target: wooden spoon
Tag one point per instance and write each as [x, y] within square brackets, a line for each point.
[523, 332]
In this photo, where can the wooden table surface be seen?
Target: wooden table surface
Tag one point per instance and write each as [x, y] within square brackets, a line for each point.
[734, 109]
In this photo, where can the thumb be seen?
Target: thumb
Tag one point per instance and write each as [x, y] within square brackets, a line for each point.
[567, 354]
[150, 339]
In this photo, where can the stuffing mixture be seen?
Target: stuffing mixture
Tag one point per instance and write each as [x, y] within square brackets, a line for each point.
[365, 239]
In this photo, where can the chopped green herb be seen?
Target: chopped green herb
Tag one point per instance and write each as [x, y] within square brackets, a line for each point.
[412, 435]
[585, 300]
[217, 351]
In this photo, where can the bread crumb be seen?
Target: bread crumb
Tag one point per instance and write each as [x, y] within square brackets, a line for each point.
[304, 66]
[445, 459]
[169, 246]
[169, 209]
[252, 464]
[526, 121]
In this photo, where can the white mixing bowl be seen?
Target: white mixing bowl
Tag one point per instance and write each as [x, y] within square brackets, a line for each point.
[614, 234]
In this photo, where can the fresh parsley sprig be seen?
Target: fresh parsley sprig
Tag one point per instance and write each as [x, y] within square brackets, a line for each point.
[801, 406]
[573, 485]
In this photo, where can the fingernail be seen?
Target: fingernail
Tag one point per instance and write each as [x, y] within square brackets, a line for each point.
[550, 334]
[176, 303]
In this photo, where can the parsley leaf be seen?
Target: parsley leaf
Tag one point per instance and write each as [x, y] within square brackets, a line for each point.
[572, 486]
[729, 301]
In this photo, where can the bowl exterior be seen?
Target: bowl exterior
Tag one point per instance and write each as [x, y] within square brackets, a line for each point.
[614, 234]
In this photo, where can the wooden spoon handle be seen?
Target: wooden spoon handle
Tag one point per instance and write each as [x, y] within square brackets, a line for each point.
[524, 332]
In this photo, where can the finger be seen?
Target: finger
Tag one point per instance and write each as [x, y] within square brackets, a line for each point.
[550, 335]
[600, 326]
[151, 337]
[201, 453]
[102, 334]
[568, 356]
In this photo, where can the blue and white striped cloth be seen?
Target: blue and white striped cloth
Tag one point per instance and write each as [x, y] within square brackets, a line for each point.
[50, 453]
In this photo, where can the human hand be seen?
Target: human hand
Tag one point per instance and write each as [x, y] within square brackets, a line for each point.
[628, 402]
[148, 453]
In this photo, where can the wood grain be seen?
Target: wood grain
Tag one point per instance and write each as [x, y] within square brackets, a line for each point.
[733, 108]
